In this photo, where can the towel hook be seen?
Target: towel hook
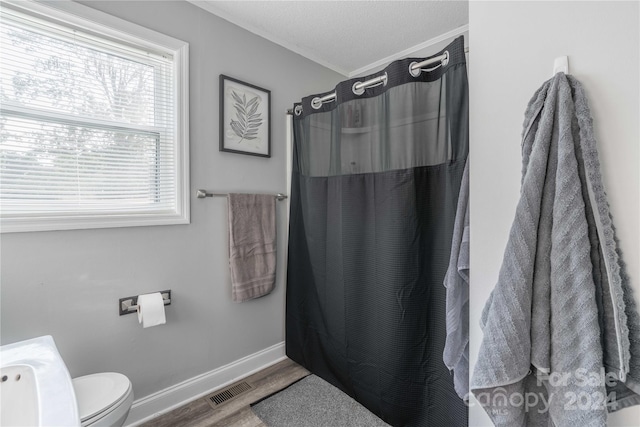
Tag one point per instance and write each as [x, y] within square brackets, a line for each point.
[561, 65]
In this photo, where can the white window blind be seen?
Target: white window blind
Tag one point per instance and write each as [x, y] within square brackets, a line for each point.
[88, 129]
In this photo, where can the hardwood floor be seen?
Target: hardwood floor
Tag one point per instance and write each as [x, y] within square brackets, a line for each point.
[234, 412]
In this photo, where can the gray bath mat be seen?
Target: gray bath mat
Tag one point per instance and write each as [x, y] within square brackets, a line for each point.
[313, 402]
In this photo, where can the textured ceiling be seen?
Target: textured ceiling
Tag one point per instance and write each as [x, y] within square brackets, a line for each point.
[347, 36]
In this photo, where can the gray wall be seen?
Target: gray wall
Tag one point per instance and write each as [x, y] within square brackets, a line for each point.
[67, 283]
[513, 45]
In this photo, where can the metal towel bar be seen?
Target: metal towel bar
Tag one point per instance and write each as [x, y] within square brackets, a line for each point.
[201, 194]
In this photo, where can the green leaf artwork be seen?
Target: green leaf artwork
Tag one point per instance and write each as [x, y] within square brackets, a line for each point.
[248, 121]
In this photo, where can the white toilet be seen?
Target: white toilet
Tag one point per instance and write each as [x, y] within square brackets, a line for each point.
[104, 399]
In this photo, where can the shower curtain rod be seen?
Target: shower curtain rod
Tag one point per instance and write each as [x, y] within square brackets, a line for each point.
[415, 68]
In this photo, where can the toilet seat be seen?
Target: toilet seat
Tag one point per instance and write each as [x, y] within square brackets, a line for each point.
[99, 394]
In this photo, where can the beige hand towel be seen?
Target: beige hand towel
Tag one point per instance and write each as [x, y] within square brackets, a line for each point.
[252, 245]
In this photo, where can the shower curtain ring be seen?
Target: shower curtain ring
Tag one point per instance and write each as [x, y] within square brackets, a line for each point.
[445, 61]
[415, 68]
[316, 103]
[414, 71]
[298, 110]
[358, 88]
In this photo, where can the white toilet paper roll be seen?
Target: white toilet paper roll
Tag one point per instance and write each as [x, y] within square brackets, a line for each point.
[151, 310]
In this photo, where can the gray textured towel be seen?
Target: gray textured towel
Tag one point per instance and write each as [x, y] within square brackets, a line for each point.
[561, 341]
[252, 245]
[456, 347]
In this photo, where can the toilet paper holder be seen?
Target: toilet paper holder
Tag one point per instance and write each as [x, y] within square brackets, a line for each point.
[129, 305]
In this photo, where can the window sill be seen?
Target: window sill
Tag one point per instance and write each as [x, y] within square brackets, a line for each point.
[16, 225]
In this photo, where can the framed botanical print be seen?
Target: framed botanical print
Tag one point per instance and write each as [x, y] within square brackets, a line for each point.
[245, 118]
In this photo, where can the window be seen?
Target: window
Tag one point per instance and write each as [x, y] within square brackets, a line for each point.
[93, 121]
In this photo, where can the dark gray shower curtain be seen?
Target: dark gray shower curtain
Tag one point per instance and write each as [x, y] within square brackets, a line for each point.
[375, 184]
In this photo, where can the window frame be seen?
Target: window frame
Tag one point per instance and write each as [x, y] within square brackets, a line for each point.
[91, 21]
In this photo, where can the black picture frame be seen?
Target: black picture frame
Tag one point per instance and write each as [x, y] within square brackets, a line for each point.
[244, 129]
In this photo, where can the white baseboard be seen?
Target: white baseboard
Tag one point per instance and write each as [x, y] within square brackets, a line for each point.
[156, 404]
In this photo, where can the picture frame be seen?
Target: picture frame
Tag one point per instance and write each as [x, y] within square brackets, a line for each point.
[245, 118]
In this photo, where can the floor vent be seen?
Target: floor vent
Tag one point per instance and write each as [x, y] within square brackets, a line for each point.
[228, 393]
